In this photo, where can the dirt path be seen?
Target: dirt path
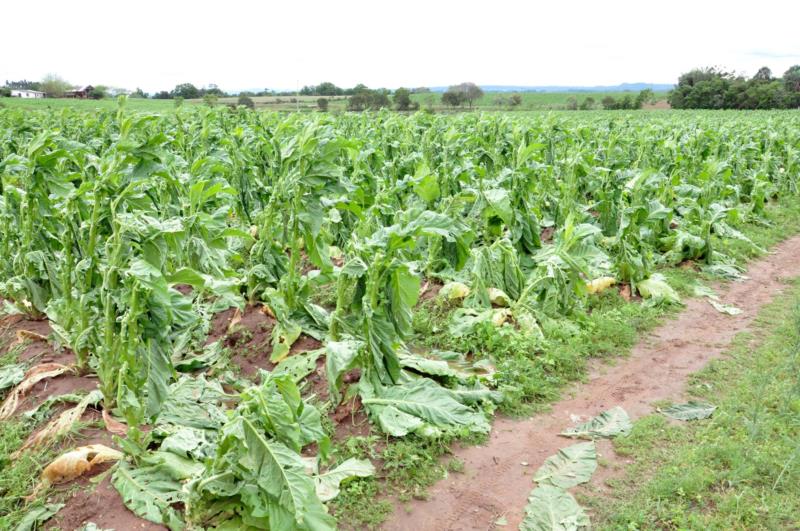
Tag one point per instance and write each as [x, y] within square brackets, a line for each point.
[495, 481]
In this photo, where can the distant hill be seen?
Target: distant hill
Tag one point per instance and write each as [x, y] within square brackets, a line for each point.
[622, 87]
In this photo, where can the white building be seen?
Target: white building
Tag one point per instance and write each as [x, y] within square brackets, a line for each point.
[21, 93]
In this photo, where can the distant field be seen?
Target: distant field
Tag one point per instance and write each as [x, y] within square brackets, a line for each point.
[491, 101]
[108, 103]
[530, 100]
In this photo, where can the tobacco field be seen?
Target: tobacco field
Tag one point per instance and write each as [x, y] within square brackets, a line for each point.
[135, 235]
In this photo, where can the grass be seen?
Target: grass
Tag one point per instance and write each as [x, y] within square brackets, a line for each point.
[741, 468]
[18, 477]
[107, 104]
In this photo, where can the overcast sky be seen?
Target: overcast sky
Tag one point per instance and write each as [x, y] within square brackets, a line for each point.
[239, 44]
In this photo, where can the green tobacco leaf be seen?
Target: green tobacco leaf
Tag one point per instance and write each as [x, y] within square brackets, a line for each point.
[327, 484]
[610, 423]
[690, 411]
[656, 287]
[403, 295]
[11, 375]
[406, 407]
[150, 492]
[193, 402]
[340, 357]
[281, 474]
[36, 516]
[553, 509]
[298, 366]
[569, 467]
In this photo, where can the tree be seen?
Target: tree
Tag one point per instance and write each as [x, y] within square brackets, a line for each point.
[609, 103]
[138, 93]
[5, 92]
[453, 98]
[214, 90]
[791, 79]
[210, 99]
[365, 98]
[326, 88]
[54, 86]
[645, 96]
[587, 104]
[515, 100]
[322, 104]
[402, 99]
[162, 95]
[186, 91]
[246, 101]
[763, 74]
[572, 103]
[23, 84]
[469, 92]
[98, 93]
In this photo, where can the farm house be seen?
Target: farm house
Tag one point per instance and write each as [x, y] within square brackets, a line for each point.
[79, 92]
[26, 93]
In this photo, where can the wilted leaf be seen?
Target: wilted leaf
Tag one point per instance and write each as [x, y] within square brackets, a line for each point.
[725, 308]
[327, 484]
[601, 284]
[298, 366]
[32, 377]
[77, 462]
[569, 467]
[150, 492]
[553, 509]
[656, 287]
[454, 291]
[500, 316]
[11, 375]
[61, 424]
[340, 357]
[690, 411]
[610, 423]
[36, 516]
[403, 408]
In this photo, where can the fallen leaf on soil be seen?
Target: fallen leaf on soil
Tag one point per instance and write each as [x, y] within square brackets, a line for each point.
[569, 467]
[690, 411]
[237, 316]
[22, 335]
[75, 463]
[114, 426]
[32, 377]
[601, 284]
[553, 509]
[609, 423]
[61, 424]
[725, 308]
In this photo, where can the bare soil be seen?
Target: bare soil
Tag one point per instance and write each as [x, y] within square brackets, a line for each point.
[497, 476]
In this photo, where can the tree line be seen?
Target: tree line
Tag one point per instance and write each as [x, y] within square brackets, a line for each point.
[715, 88]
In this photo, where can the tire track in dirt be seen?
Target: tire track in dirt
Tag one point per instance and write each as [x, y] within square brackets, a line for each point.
[498, 476]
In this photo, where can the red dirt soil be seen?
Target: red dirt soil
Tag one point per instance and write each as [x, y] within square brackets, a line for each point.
[495, 482]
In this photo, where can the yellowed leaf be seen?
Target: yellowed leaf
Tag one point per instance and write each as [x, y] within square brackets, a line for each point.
[114, 426]
[75, 463]
[601, 284]
[32, 377]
